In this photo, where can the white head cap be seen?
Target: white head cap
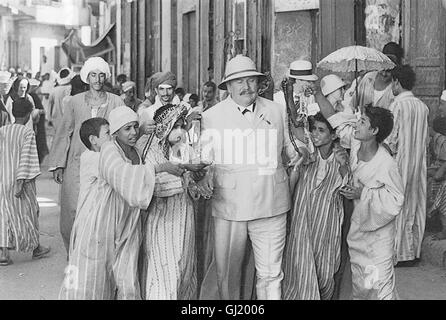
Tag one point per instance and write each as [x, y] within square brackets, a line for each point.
[121, 116]
[95, 63]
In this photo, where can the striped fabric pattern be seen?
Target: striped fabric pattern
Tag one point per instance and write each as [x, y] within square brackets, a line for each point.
[168, 257]
[313, 249]
[409, 141]
[106, 237]
[440, 201]
[19, 227]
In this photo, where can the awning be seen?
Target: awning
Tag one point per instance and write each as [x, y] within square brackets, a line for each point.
[78, 52]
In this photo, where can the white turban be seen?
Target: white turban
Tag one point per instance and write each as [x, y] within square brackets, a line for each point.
[121, 116]
[95, 63]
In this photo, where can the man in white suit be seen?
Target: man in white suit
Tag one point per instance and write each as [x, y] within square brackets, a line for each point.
[244, 136]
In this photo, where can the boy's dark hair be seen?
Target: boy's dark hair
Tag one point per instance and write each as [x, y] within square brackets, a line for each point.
[440, 125]
[180, 91]
[121, 78]
[320, 118]
[194, 97]
[91, 127]
[64, 73]
[381, 119]
[21, 107]
[392, 48]
[211, 84]
[405, 75]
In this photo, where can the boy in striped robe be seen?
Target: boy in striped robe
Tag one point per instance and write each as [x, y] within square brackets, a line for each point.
[313, 247]
[106, 241]
[19, 167]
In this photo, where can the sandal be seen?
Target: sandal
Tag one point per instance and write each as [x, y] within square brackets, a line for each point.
[40, 252]
[5, 262]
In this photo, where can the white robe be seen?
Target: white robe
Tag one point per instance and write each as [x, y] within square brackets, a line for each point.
[371, 239]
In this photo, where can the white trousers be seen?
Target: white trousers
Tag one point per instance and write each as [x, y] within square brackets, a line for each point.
[268, 241]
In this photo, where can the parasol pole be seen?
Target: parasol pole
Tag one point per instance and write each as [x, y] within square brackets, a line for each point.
[356, 84]
[355, 30]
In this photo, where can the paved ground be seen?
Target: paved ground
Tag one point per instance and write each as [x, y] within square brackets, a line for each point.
[41, 280]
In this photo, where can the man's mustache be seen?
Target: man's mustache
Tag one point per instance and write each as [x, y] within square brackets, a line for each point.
[247, 92]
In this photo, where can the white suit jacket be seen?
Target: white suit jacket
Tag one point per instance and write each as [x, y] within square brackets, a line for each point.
[250, 181]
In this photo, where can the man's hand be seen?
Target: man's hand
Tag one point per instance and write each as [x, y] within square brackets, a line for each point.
[18, 188]
[58, 175]
[351, 192]
[341, 156]
[195, 167]
[206, 186]
[198, 175]
[170, 168]
[192, 117]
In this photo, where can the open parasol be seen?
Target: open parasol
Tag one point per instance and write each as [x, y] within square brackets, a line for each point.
[356, 59]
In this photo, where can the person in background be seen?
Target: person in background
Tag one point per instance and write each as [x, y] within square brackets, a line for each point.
[180, 93]
[5, 79]
[209, 96]
[120, 80]
[108, 87]
[45, 90]
[193, 101]
[375, 87]
[42, 146]
[20, 89]
[437, 174]
[164, 84]
[333, 88]
[149, 94]
[57, 95]
[408, 144]
[395, 50]
[19, 168]
[301, 74]
[67, 148]
[129, 95]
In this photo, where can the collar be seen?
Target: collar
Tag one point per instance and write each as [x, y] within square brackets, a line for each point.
[406, 94]
[251, 107]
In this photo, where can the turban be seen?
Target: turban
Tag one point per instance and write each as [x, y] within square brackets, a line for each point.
[34, 82]
[165, 119]
[166, 78]
[21, 108]
[121, 116]
[92, 64]
[5, 77]
[68, 75]
[128, 85]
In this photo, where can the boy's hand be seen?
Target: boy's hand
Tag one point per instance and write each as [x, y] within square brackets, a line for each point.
[351, 192]
[58, 175]
[18, 188]
[341, 156]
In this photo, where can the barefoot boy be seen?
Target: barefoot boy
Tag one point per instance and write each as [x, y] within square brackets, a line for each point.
[19, 167]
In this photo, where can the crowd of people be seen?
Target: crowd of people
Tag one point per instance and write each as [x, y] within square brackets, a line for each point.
[173, 198]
